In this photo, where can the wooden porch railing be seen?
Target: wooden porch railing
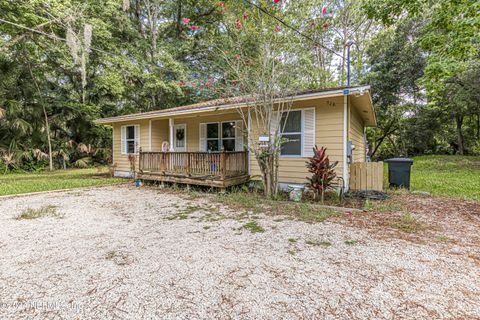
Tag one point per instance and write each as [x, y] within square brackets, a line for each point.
[218, 165]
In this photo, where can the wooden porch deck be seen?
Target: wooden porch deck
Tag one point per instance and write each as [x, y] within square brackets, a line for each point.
[215, 169]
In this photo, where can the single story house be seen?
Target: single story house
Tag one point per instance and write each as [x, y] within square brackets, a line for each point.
[205, 143]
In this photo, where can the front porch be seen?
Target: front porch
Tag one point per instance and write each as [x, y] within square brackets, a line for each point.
[215, 169]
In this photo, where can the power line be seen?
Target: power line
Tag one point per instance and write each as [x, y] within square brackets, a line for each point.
[265, 11]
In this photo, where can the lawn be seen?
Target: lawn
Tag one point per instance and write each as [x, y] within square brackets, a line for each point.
[451, 176]
[17, 183]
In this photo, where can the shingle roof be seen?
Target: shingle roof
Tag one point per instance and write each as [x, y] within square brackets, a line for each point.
[213, 103]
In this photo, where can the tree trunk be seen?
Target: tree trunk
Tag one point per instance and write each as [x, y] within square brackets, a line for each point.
[460, 140]
[179, 18]
[47, 124]
[478, 127]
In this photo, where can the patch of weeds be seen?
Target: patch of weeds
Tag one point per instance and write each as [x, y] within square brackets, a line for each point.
[184, 213]
[206, 227]
[442, 237]
[244, 200]
[313, 214]
[190, 209]
[213, 215]
[178, 216]
[318, 243]
[351, 242]
[256, 203]
[292, 240]
[292, 252]
[408, 223]
[44, 211]
[382, 206]
[253, 227]
[120, 258]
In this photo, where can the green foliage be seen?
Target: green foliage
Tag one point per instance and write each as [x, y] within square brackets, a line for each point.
[408, 223]
[440, 55]
[30, 213]
[420, 57]
[451, 176]
[323, 172]
[253, 227]
[18, 183]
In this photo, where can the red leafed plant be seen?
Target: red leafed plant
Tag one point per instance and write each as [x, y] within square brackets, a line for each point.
[323, 172]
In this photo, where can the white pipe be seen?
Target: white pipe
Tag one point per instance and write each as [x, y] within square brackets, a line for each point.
[345, 142]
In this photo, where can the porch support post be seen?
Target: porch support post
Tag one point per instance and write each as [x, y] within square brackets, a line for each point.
[171, 123]
[150, 135]
[223, 164]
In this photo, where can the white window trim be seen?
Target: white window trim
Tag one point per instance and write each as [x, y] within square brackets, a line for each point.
[137, 140]
[220, 134]
[302, 121]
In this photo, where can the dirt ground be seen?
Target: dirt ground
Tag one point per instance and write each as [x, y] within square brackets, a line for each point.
[122, 253]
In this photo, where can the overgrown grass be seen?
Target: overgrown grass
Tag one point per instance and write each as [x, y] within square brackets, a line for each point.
[253, 227]
[408, 223]
[29, 213]
[18, 183]
[451, 176]
[256, 203]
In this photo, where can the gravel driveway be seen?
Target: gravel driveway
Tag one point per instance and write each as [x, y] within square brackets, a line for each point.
[122, 253]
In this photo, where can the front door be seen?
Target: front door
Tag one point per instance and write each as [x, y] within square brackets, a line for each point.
[180, 137]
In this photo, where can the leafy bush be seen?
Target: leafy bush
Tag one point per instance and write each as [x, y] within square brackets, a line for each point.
[323, 172]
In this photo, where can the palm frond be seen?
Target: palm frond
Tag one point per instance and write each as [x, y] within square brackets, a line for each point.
[84, 148]
[39, 154]
[83, 162]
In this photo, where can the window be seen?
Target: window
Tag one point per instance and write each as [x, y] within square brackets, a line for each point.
[212, 137]
[291, 124]
[228, 136]
[130, 137]
[221, 135]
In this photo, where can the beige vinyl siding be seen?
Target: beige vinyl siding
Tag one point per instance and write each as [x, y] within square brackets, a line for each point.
[160, 131]
[356, 135]
[121, 160]
[328, 133]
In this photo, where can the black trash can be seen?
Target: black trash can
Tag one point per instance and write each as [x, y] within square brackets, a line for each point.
[399, 172]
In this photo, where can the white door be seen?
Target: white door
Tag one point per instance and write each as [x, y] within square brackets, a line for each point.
[180, 137]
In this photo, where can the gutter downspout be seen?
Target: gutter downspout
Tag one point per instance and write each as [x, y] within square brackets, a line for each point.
[345, 138]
